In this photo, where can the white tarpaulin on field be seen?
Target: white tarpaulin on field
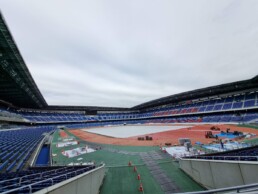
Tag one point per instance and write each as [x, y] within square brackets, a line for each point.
[181, 151]
[67, 143]
[77, 151]
[132, 130]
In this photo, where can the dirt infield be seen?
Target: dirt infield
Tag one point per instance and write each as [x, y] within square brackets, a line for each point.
[195, 133]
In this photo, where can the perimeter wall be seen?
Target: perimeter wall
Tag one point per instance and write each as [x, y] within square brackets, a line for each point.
[86, 183]
[219, 174]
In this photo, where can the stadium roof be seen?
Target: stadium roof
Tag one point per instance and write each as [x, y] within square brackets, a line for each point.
[87, 108]
[16, 83]
[204, 92]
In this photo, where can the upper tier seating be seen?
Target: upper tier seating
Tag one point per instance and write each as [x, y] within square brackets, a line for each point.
[54, 117]
[8, 115]
[229, 103]
[239, 102]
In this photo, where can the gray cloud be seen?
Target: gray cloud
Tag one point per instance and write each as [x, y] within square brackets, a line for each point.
[122, 53]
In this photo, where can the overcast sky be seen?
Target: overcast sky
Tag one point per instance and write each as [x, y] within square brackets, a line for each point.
[123, 53]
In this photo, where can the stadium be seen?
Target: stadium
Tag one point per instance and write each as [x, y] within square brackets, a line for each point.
[199, 141]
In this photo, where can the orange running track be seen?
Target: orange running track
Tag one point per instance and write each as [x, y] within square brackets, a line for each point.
[63, 134]
[195, 133]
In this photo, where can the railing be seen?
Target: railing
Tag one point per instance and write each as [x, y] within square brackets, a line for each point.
[37, 151]
[237, 189]
[76, 172]
[238, 158]
[30, 175]
[50, 146]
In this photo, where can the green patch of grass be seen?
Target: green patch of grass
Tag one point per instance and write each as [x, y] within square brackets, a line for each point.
[248, 126]
[182, 180]
[124, 180]
[113, 159]
[99, 156]
[252, 141]
[150, 186]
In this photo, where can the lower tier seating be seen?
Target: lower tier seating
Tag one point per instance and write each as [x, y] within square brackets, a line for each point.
[38, 178]
[244, 154]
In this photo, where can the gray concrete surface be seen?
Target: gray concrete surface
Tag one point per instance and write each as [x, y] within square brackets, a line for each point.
[86, 183]
[220, 174]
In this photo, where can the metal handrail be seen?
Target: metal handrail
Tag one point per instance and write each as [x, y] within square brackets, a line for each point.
[38, 150]
[236, 188]
[224, 157]
[50, 147]
[49, 179]
[22, 182]
[39, 173]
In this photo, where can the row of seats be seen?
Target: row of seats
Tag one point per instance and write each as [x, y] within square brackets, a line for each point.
[10, 115]
[253, 151]
[182, 119]
[244, 154]
[238, 158]
[16, 146]
[229, 103]
[231, 118]
[244, 99]
[45, 118]
[239, 102]
[38, 178]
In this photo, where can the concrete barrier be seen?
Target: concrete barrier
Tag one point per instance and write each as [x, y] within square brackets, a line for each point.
[86, 183]
[214, 174]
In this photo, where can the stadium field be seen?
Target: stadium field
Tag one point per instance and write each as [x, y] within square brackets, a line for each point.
[195, 132]
[122, 177]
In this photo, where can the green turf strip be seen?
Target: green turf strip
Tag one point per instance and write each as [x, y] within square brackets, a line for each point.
[248, 126]
[109, 158]
[123, 180]
[252, 141]
[182, 180]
